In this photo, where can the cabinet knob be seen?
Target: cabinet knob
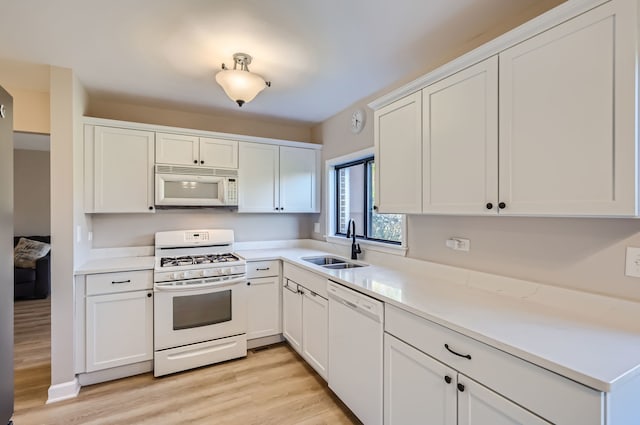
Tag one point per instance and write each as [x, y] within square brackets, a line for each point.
[502, 205]
[149, 295]
[489, 206]
[447, 379]
[151, 208]
[248, 283]
[195, 161]
[461, 388]
[201, 162]
[375, 208]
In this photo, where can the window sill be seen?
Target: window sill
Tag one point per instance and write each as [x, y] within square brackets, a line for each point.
[371, 245]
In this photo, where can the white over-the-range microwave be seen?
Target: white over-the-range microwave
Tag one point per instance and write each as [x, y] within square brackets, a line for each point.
[195, 186]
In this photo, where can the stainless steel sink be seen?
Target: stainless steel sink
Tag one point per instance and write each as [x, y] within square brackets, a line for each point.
[343, 266]
[323, 261]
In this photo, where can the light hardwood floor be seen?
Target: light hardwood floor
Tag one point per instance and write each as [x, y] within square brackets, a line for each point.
[271, 386]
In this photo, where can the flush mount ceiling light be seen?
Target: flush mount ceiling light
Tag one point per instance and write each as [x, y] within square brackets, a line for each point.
[239, 83]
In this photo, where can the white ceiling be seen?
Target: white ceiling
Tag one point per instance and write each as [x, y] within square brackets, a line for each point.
[321, 56]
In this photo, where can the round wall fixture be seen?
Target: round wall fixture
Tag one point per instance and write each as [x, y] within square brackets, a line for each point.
[357, 120]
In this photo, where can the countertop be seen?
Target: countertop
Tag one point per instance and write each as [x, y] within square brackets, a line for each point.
[599, 351]
[591, 339]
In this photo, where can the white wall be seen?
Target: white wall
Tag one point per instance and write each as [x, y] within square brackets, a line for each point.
[31, 192]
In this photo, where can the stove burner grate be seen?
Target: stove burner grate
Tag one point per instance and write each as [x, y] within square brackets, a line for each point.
[188, 260]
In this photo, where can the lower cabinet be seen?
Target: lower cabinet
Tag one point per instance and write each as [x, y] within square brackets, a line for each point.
[264, 305]
[420, 390]
[305, 324]
[119, 319]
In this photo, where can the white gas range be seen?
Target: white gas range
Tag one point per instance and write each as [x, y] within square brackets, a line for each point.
[200, 303]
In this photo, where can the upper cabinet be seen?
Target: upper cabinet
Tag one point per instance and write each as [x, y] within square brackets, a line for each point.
[540, 121]
[278, 179]
[567, 120]
[119, 170]
[398, 143]
[460, 141]
[181, 149]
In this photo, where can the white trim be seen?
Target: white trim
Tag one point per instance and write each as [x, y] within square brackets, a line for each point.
[331, 205]
[546, 21]
[64, 391]
[200, 133]
[368, 245]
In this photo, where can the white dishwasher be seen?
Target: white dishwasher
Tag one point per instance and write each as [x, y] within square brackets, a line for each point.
[355, 351]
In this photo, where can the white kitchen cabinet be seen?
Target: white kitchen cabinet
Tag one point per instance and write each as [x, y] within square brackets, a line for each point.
[567, 117]
[118, 170]
[119, 319]
[415, 390]
[398, 155]
[305, 315]
[553, 120]
[421, 390]
[278, 179]
[182, 149]
[314, 331]
[460, 142]
[264, 299]
[292, 315]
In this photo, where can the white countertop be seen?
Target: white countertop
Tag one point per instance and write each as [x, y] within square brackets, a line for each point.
[591, 339]
[581, 343]
[116, 264]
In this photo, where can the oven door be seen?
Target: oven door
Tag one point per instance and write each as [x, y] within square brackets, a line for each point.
[200, 311]
[190, 190]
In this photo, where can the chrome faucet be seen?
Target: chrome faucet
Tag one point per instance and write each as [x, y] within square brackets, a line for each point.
[351, 232]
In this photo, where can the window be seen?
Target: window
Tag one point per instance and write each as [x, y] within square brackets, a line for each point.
[355, 200]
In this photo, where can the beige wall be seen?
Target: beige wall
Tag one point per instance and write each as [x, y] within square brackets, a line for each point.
[31, 183]
[582, 253]
[177, 117]
[120, 230]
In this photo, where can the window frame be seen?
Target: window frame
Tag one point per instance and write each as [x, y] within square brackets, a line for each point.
[331, 222]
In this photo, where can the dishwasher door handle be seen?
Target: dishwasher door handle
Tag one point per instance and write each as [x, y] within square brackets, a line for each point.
[350, 304]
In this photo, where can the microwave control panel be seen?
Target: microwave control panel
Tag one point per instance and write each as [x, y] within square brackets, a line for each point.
[232, 192]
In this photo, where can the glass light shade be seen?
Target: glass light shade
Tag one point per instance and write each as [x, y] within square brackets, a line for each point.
[240, 86]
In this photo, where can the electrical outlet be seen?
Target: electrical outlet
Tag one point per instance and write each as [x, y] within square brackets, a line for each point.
[458, 244]
[633, 262]
[316, 227]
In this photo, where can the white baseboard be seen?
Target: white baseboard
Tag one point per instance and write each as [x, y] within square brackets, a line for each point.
[99, 376]
[266, 340]
[64, 391]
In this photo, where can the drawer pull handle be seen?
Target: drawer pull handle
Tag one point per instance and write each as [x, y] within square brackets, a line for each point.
[466, 356]
[263, 269]
[447, 379]
[116, 282]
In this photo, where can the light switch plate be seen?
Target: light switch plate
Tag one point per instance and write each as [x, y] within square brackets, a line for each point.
[633, 262]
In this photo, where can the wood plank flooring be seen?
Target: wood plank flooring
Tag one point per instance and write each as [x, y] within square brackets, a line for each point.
[270, 386]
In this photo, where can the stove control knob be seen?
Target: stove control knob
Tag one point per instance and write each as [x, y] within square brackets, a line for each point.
[203, 273]
[227, 270]
[182, 275]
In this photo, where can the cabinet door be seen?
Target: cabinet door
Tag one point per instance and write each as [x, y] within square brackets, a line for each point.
[567, 120]
[258, 175]
[264, 307]
[119, 329]
[398, 146]
[123, 170]
[460, 142]
[299, 180]
[315, 322]
[292, 315]
[478, 405]
[415, 389]
[218, 153]
[177, 149]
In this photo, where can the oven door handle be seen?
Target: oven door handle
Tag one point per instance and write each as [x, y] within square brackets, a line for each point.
[189, 287]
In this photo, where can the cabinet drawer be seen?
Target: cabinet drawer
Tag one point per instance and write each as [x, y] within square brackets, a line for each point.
[263, 268]
[108, 283]
[311, 281]
[546, 393]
